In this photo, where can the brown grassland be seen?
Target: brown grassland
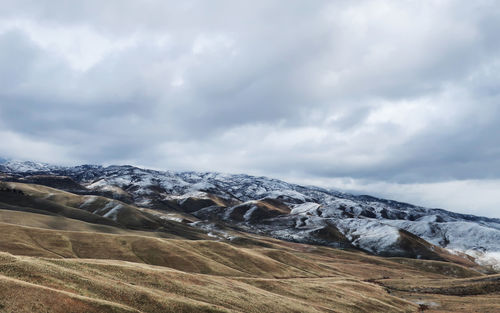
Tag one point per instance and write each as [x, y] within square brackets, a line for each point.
[64, 262]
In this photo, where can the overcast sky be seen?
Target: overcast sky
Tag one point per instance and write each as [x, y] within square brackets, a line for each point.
[399, 98]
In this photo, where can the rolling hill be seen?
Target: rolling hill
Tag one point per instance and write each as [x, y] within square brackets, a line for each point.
[122, 239]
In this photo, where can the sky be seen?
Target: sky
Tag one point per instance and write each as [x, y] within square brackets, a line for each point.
[398, 99]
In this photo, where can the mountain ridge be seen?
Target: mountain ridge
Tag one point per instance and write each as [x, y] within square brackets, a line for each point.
[316, 215]
[41, 167]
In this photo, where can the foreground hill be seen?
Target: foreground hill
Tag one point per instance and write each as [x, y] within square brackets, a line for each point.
[278, 209]
[44, 267]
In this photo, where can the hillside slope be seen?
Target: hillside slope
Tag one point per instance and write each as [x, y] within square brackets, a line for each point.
[50, 270]
[281, 210]
[65, 252]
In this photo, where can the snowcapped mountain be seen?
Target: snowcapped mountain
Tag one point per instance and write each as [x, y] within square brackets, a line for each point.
[25, 166]
[275, 208]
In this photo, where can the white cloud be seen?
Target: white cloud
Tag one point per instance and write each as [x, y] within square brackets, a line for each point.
[81, 46]
[21, 147]
[397, 93]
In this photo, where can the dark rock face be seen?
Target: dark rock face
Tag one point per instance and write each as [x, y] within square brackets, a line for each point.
[190, 205]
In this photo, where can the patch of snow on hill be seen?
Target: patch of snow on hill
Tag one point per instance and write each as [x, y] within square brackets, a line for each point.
[486, 258]
[370, 235]
[305, 208]
[286, 193]
[201, 186]
[248, 214]
[113, 213]
[28, 166]
[190, 194]
[88, 201]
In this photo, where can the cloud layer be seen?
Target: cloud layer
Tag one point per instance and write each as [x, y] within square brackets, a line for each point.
[383, 93]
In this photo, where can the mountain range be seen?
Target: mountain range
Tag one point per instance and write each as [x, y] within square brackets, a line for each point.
[274, 208]
[225, 230]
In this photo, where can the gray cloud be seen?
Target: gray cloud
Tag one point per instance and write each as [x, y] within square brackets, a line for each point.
[383, 92]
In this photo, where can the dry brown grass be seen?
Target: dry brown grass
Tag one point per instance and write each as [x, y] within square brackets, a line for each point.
[102, 272]
[157, 289]
[57, 264]
[91, 209]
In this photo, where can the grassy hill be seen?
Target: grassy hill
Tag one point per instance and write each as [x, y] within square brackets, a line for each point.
[60, 253]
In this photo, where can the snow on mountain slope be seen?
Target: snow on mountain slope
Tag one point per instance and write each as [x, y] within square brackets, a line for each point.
[26, 166]
[370, 235]
[287, 211]
[305, 208]
[479, 241]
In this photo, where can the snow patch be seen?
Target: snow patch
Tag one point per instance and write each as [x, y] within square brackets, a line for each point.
[202, 186]
[305, 208]
[113, 213]
[171, 217]
[286, 193]
[88, 201]
[191, 194]
[248, 214]
[370, 235]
